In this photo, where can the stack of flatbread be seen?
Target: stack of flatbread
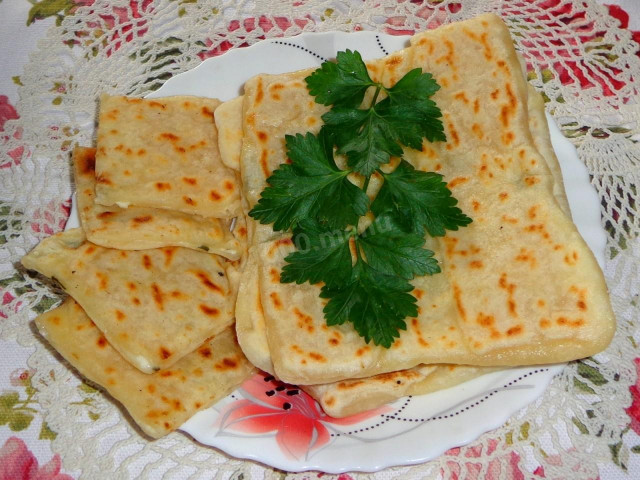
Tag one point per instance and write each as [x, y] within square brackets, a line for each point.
[167, 258]
[151, 271]
[519, 286]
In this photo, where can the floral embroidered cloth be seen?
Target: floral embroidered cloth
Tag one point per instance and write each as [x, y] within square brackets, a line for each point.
[56, 55]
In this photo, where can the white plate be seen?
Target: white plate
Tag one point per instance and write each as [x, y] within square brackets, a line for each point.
[253, 425]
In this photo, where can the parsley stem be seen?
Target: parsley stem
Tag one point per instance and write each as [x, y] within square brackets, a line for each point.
[366, 183]
[375, 95]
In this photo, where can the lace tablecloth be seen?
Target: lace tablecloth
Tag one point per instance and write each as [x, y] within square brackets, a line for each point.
[57, 55]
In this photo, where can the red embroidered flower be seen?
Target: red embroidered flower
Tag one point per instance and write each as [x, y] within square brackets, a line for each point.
[8, 112]
[299, 424]
[21, 377]
[263, 23]
[634, 409]
[44, 219]
[18, 463]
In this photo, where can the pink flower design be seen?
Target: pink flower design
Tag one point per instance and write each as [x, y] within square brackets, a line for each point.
[6, 299]
[118, 20]
[556, 460]
[8, 112]
[299, 423]
[634, 409]
[436, 15]
[18, 463]
[20, 377]
[44, 218]
[464, 467]
[263, 23]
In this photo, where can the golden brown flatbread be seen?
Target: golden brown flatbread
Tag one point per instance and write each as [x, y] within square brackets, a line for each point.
[229, 125]
[519, 285]
[153, 306]
[161, 402]
[140, 228]
[163, 153]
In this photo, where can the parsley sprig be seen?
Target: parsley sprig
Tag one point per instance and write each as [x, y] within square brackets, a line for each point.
[365, 274]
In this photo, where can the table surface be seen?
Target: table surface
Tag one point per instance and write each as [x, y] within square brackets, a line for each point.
[591, 422]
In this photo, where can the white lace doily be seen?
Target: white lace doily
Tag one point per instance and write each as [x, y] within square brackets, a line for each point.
[585, 65]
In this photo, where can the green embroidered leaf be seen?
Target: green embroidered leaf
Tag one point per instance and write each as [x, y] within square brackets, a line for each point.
[581, 426]
[524, 431]
[635, 449]
[48, 8]
[19, 421]
[46, 433]
[93, 416]
[580, 385]
[591, 373]
[83, 387]
[8, 400]
[45, 304]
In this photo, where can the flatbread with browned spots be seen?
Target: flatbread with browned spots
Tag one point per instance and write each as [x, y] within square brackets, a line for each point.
[347, 397]
[163, 153]
[519, 285]
[140, 228]
[154, 306]
[159, 403]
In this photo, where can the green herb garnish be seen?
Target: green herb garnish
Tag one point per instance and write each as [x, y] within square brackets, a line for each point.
[366, 274]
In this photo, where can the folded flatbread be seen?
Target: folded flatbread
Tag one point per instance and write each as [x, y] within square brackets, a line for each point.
[140, 228]
[163, 153]
[159, 403]
[153, 306]
[229, 125]
[348, 397]
[519, 285]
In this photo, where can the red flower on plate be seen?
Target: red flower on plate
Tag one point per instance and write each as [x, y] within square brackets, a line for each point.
[18, 463]
[298, 422]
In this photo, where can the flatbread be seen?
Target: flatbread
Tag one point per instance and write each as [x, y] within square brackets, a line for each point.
[250, 323]
[542, 141]
[229, 125]
[163, 153]
[140, 228]
[153, 306]
[348, 397]
[158, 403]
[519, 285]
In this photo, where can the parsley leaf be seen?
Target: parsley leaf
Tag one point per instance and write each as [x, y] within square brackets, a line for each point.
[343, 83]
[392, 251]
[375, 303]
[368, 285]
[369, 137]
[322, 256]
[311, 186]
[371, 140]
[419, 200]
